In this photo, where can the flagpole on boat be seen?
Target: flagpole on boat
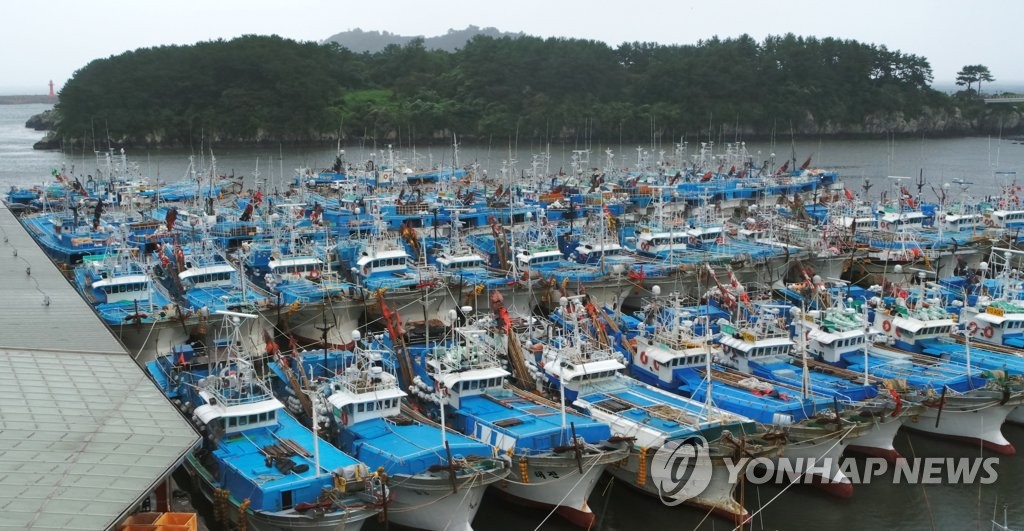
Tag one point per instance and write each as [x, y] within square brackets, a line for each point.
[316, 438]
[867, 330]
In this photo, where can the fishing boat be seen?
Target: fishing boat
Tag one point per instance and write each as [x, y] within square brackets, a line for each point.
[258, 465]
[382, 267]
[591, 377]
[317, 303]
[436, 478]
[132, 305]
[557, 455]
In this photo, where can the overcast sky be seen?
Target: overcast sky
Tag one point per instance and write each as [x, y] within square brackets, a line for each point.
[50, 39]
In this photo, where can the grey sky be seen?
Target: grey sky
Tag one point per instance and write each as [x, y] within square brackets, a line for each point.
[45, 40]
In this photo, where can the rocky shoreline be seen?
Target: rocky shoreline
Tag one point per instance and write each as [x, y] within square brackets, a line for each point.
[931, 124]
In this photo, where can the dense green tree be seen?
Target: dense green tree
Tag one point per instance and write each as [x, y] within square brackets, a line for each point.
[971, 74]
[266, 88]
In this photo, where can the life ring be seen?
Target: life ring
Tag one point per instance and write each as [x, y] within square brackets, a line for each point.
[989, 222]
[988, 332]
[972, 328]
[887, 326]
[643, 357]
[657, 366]
[314, 274]
[645, 245]
[344, 415]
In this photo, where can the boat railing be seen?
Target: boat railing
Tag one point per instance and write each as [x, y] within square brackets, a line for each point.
[587, 354]
[366, 382]
[677, 338]
[245, 391]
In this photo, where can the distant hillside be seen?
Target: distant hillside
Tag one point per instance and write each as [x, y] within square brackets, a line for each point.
[360, 41]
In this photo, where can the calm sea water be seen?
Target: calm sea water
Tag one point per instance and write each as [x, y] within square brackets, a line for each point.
[880, 505]
[977, 160]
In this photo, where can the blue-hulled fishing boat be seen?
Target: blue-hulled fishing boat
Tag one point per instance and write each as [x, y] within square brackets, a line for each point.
[591, 377]
[557, 455]
[258, 465]
[436, 478]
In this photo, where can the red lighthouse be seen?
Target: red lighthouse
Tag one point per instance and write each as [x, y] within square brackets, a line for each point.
[51, 89]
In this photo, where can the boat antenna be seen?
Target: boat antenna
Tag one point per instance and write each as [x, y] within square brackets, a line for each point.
[805, 380]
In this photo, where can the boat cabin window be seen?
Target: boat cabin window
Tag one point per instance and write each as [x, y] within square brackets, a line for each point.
[665, 241]
[127, 287]
[292, 269]
[543, 259]
[464, 264]
[388, 262]
[709, 237]
[206, 278]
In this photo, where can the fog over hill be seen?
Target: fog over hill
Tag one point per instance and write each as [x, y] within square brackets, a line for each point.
[360, 41]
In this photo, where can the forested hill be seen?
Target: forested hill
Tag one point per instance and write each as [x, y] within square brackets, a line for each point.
[270, 89]
[360, 41]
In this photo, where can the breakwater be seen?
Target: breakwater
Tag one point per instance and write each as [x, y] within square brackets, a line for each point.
[27, 98]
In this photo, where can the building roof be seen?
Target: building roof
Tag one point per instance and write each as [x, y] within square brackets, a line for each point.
[84, 433]
[27, 278]
[84, 436]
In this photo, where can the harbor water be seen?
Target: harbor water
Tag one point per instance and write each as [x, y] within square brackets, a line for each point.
[977, 165]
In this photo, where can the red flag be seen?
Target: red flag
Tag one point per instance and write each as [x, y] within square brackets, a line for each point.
[505, 319]
[807, 163]
[181, 359]
[849, 194]
[706, 177]
[782, 169]
[732, 170]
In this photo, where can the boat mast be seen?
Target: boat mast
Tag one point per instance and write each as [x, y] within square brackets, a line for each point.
[442, 402]
[564, 303]
[316, 440]
[805, 381]
[867, 329]
[707, 356]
